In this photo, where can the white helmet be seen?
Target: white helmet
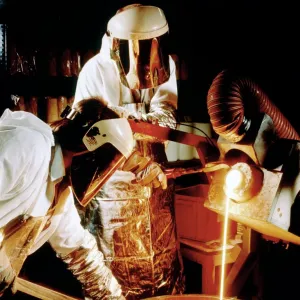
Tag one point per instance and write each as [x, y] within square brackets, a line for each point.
[107, 144]
[138, 36]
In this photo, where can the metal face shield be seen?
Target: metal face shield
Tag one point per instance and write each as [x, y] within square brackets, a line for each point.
[109, 144]
[142, 64]
[90, 171]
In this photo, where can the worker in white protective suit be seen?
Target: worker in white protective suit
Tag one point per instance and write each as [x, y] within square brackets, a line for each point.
[136, 74]
[41, 169]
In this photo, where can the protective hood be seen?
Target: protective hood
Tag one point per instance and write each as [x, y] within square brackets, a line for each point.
[138, 46]
[25, 143]
[26, 120]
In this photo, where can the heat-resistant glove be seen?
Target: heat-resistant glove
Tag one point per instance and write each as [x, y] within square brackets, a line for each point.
[162, 113]
[146, 171]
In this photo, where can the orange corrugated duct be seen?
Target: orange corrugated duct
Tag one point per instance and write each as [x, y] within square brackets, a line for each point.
[233, 101]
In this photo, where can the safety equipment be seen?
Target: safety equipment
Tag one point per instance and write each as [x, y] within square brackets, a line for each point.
[147, 172]
[139, 47]
[108, 144]
[7, 273]
[87, 265]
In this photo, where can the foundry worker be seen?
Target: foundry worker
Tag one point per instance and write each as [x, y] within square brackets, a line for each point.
[42, 169]
[136, 74]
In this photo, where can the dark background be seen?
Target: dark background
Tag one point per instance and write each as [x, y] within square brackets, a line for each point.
[256, 38]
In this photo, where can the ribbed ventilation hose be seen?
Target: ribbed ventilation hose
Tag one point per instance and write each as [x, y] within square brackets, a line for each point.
[232, 102]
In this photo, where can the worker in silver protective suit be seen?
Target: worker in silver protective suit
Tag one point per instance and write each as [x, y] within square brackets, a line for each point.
[135, 225]
[41, 168]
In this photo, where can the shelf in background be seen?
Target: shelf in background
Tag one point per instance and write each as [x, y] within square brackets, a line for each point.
[41, 85]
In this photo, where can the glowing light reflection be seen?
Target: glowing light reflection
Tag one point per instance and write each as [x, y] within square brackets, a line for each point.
[234, 179]
[222, 278]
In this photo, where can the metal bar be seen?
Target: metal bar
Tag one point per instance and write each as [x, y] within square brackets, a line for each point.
[39, 291]
[201, 143]
[166, 133]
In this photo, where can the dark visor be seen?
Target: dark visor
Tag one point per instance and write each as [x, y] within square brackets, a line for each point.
[91, 170]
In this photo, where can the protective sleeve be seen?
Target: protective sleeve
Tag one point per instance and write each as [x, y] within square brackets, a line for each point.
[69, 233]
[163, 106]
[79, 250]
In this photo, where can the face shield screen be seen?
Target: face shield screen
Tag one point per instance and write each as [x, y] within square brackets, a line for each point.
[142, 64]
[91, 170]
